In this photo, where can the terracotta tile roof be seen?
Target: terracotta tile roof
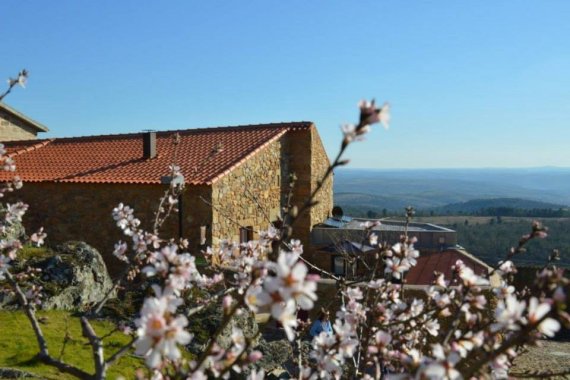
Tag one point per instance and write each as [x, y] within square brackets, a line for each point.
[422, 273]
[204, 155]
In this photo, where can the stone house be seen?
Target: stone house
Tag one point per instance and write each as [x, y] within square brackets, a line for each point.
[17, 126]
[236, 182]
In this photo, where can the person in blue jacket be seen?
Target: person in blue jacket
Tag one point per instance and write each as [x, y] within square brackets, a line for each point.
[323, 323]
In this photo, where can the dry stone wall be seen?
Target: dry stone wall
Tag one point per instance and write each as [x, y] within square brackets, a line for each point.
[319, 164]
[249, 196]
[309, 162]
[12, 128]
[76, 211]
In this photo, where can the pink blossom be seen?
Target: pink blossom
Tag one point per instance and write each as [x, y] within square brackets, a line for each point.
[369, 114]
[255, 375]
[396, 267]
[125, 219]
[291, 281]
[287, 316]
[9, 164]
[159, 331]
[15, 212]
[38, 237]
[536, 311]
[509, 313]
[4, 265]
[254, 356]
[119, 251]
[507, 267]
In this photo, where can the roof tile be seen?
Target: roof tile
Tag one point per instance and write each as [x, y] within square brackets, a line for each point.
[204, 155]
[427, 264]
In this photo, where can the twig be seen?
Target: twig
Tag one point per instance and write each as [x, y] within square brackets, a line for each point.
[21, 79]
[66, 338]
[319, 269]
[96, 347]
[197, 309]
[223, 325]
[117, 355]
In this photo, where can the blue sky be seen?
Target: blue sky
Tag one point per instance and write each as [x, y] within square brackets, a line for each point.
[471, 83]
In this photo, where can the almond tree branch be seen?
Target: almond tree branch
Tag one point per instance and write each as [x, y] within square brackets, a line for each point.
[96, 347]
[117, 355]
[43, 355]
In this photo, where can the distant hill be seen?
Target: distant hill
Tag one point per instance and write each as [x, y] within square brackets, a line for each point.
[481, 205]
[431, 188]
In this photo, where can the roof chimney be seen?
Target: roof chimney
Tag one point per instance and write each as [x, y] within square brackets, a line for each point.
[149, 144]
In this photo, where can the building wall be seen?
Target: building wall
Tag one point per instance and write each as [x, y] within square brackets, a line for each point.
[319, 164]
[309, 161]
[75, 211]
[249, 196]
[254, 193]
[12, 128]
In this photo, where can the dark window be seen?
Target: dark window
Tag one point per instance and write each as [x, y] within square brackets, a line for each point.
[245, 234]
[338, 266]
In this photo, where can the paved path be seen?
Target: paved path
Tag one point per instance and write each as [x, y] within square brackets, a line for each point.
[553, 356]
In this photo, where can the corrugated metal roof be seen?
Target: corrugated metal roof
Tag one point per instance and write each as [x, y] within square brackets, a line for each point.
[347, 246]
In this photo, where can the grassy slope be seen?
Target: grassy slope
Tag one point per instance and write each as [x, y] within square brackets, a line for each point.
[18, 345]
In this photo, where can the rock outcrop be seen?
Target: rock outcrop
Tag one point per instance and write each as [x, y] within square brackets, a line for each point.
[73, 277]
[204, 324]
[78, 274]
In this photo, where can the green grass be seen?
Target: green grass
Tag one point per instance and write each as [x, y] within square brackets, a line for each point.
[18, 345]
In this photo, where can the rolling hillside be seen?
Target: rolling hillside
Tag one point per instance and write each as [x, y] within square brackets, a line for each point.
[430, 189]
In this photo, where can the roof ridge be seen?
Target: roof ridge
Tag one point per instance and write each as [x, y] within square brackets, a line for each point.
[286, 124]
[39, 145]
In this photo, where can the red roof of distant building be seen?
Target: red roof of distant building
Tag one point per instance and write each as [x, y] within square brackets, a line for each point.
[422, 273]
[204, 155]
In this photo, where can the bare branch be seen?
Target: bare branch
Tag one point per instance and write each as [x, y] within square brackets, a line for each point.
[96, 347]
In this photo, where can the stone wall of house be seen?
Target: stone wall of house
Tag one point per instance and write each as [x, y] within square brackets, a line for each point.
[319, 165]
[13, 128]
[249, 196]
[298, 150]
[76, 211]
[309, 161]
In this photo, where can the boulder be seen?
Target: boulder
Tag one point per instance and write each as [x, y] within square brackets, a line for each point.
[275, 354]
[204, 324]
[73, 278]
